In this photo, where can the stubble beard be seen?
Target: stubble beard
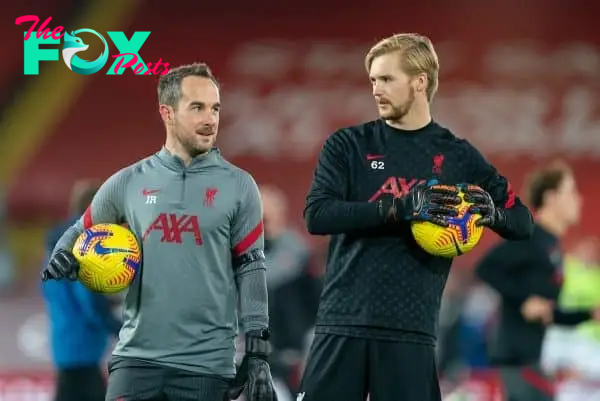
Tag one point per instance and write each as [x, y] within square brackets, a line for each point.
[191, 143]
[399, 111]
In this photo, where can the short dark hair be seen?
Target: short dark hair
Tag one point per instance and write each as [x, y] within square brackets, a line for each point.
[169, 85]
[82, 194]
[545, 180]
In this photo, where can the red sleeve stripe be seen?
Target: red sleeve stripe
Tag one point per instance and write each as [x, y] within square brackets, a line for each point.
[538, 382]
[510, 201]
[248, 240]
[87, 218]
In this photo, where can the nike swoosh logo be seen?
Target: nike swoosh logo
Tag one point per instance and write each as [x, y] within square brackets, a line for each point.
[100, 249]
[147, 192]
[374, 157]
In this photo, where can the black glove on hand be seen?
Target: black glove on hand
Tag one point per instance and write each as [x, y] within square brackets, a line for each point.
[62, 265]
[424, 202]
[254, 374]
[483, 204]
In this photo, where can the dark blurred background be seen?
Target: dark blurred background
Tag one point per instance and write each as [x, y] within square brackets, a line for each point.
[521, 80]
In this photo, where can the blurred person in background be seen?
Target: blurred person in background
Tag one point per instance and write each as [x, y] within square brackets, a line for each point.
[450, 358]
[7, 266]
[293, 290]
[527, 275]
[82, 323]
[573, 353]
[468, 307]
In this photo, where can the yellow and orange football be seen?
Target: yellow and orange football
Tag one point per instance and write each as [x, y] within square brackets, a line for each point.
[460, 237]
[109, 257]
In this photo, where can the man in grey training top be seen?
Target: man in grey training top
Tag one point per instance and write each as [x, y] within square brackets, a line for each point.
[198, 219]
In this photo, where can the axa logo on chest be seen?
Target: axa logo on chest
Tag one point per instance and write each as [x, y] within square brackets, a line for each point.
[72, 44]
[395, 186]
[172, 227]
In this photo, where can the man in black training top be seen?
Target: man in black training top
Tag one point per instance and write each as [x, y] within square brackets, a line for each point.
[528, 277]
[376, 325]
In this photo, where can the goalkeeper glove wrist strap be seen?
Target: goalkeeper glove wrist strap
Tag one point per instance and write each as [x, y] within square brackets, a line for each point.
[257, 344]
[500, 220]
[390, 210]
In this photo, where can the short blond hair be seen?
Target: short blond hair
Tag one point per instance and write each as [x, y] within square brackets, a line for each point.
[417, 53]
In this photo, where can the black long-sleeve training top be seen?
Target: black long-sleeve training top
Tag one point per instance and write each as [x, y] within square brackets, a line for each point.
[518, 270]
[379, 283]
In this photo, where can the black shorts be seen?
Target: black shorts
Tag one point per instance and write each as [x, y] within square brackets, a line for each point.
[132, 380]
[81, 383]
[349, 368]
